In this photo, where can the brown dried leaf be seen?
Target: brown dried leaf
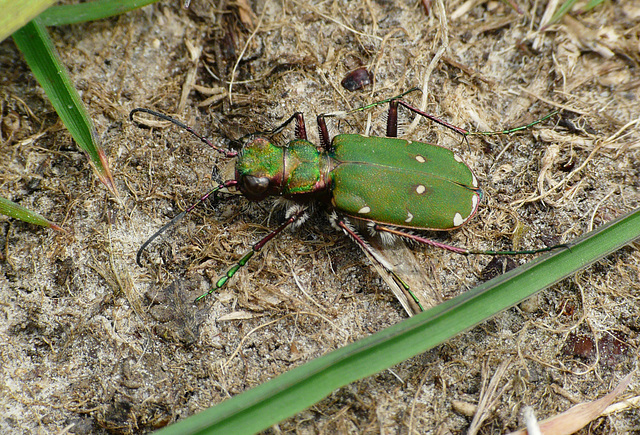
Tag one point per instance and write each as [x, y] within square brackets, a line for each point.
[580, 415]
[246, 14]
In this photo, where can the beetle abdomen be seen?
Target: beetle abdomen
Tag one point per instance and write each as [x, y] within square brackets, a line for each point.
[403, 183]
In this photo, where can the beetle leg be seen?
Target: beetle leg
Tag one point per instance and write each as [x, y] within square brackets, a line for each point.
[462, 131]
[417, 111]
[300, 130]
[398, 232]
[463, 251]
[392, 119]
[325, 140]
[293, 214]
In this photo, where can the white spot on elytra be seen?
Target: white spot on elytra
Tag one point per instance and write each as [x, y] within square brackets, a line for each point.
[409, 217]
[457, 220]
[420, 189]
[474, 180]
[364, 210]
[474, 202]
[457, 157]
[420, 158]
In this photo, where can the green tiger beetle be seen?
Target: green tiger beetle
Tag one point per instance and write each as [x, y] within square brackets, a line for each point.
[387, 186]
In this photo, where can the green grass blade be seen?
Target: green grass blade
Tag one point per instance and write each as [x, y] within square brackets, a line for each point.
[17, 13]
[39, 52]
[300, 388]
[592, 4]
[566, 7]
[14, 210]
[90, 11]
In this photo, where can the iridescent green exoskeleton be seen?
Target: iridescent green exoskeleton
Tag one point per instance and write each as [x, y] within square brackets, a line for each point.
[385, 185]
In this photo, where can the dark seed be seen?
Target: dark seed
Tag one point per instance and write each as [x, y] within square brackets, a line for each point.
[357, 79]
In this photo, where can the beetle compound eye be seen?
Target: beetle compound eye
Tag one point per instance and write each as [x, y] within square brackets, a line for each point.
[255, 185]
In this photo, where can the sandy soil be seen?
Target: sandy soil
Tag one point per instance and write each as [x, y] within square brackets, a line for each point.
[92, 343]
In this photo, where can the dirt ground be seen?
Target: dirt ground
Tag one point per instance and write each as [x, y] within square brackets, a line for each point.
[93, 343]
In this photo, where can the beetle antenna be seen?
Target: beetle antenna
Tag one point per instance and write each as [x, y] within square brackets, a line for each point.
[226, 152]
[172, 222]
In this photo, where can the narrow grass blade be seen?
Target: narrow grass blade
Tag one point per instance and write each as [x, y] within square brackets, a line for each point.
[39, 52]
[14, 210]
[89, 11]
[17, 13]
[566, 7]
[300, 388]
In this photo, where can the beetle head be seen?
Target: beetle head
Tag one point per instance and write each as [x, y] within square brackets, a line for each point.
[260, 169]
